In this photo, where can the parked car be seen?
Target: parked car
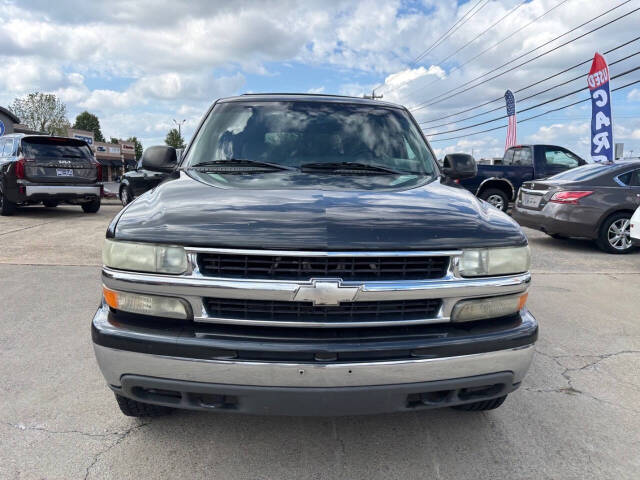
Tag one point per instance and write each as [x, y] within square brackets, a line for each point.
[499, 183]
[593, 201]
[49, 170]
[634, 228]
[307, 259]
[135, 182]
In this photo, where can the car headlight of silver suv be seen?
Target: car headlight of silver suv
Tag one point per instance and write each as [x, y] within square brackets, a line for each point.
[485, 262]
[144, 257]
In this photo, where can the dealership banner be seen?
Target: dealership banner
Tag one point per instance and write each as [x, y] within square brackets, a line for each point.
[601, 121]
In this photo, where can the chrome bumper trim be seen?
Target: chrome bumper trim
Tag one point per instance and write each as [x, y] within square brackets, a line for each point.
[115, 363]
[61, 190]
[193, 287]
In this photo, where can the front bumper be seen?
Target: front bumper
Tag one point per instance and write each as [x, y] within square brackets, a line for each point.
[180, 368]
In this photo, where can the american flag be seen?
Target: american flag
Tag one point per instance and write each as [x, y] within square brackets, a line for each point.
[511, 113]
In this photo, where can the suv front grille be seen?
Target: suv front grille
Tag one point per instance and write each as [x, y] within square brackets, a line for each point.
[368, 268]
[268, 310]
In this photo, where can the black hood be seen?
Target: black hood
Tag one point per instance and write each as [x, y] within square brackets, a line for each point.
[187, 211]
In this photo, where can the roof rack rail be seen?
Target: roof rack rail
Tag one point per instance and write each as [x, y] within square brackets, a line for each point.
[301, 94]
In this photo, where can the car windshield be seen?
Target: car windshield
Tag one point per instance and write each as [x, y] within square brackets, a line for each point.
[585, 172]
[313, 137]
[51, 147]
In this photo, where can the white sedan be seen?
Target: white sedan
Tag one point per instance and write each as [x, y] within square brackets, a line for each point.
[635, 227]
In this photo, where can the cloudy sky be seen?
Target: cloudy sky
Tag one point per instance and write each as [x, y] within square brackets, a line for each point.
[140, 64]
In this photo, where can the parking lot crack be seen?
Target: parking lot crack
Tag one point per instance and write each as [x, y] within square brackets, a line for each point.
[566, 373]
[26, 228]
[39, 428]
[121, 436]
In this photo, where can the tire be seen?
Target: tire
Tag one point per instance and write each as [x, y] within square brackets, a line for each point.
[7, 208]
[50, 203]
[482, 405]
[133, 408]
[92, 207]
[557, 236]
[611, 242]
[126, 195]
[495, 197]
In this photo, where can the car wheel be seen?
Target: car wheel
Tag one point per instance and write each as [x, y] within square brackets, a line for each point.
[91, 207]
[125, 196]
[50, 204]
[557, 236]
[133, 408]
[495, 197]
[7, 208]
[481, 405]
[615, 234]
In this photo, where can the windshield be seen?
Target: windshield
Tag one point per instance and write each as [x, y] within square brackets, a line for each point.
[295, 134]
[585, 172]
[52, 147]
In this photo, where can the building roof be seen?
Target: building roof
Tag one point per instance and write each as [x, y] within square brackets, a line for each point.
[10, 114]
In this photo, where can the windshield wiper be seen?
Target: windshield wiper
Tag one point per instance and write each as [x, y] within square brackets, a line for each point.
[240, 165]
[351, 167]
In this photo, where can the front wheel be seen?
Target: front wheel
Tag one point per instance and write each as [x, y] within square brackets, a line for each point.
[7, 207]
[92, 207]
[615, 234]
[495, 197]
[557, 236]
[133, 408]
[481, 405]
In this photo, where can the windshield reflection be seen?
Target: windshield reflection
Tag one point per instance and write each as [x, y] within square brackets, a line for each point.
[296, 133]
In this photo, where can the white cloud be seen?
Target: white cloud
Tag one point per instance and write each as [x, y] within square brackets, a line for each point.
[316, 90]
[634, 95]
[409, 75]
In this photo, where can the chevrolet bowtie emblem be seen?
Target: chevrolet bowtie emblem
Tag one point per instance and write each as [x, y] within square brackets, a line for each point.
[326, 292]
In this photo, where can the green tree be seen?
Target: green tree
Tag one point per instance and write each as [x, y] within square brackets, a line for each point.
[138, 146]
[174, 139]
[43, 112]
[88, 121]
[114, 140]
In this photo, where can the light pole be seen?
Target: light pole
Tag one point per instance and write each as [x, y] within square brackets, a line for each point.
[179, 124]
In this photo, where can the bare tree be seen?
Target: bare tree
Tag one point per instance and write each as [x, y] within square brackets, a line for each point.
[43, 112]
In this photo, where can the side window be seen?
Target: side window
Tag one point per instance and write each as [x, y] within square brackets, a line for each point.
[5, 147]
[522, 157]
[635, 178]
[560, 158]
[508, 157]
[625, 178]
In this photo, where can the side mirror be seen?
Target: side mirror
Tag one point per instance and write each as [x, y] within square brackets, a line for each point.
[457, 166]
[159, 159]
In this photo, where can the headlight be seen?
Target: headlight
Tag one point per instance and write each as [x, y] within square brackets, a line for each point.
[492, 307]
[143, 304]
[483, 262]
[144, 257]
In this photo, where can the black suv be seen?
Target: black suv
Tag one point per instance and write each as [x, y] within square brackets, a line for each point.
[137, 181]
[309, 257]
[49, 170]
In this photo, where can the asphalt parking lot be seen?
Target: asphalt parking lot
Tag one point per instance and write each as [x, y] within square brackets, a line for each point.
[577, 415]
